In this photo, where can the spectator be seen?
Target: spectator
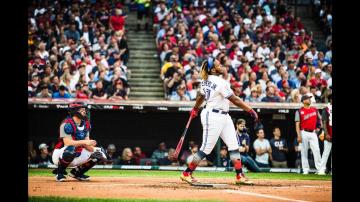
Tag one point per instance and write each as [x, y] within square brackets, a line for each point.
[84, 92]
[317, 81]
[72, 33]
[34, 83]
[118, 92]
[170, 159]
[172, 83]
[300, 79]
[112, 155]
[254, 96]
[117, 21]
[138, 155]
[244, 146]
[62, 93]
[185, 154]
[224, 159]
[99, 92]
[193, 85]
[181, 94]
[127, 157]
[270, 95]
[202, 163]
[285, 79]
[44, 93]
[44, 158]
[295, 96]
[237, 88]
[31, 152]
[279, 149]
[263, 149]
[161, 152]
[143, 10]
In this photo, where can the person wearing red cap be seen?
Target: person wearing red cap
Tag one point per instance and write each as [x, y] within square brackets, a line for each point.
[308, 120]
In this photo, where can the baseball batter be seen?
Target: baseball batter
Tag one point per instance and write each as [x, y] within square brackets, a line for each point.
[327, 123]
[307, 120]
[217, 94]
[74, 147]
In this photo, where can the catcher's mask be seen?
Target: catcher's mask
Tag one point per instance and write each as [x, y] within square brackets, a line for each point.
[74, 109]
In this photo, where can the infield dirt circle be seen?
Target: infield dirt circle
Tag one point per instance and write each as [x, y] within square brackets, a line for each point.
[174, 188]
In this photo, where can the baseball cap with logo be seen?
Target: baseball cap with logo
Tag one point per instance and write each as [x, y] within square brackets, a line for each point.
[43, 146]
[305, 97]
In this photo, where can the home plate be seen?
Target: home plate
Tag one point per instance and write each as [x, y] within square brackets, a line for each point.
[209, 185]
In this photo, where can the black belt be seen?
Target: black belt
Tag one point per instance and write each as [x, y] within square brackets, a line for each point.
[310, 131]
[218, 111]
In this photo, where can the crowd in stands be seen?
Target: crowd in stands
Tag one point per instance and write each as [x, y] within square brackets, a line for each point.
[322, 10]
[77, 49]
[269, 54]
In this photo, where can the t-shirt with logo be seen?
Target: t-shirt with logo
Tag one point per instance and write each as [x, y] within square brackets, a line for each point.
[275, 146]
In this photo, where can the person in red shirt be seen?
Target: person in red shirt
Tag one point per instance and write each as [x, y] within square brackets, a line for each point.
[84, 92]
[327, 122]
[138, 155]
[117, 21]
[318, 81]
[308, 120]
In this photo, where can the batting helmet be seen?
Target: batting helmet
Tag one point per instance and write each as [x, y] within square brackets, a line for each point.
[74, 109]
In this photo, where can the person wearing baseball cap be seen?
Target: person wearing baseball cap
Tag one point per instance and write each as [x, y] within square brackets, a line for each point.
[44, 158]
[306, 97]
[308, 121]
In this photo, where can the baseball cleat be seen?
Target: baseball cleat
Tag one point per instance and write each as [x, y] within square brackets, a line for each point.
[60, 178]
[321, 173]
[243, 181]
[187, 177]
[78, 176]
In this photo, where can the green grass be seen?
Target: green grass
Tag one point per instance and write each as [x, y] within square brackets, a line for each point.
[65, 199]
[176, 174]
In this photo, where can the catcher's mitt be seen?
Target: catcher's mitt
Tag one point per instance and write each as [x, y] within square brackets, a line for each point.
[99, 155]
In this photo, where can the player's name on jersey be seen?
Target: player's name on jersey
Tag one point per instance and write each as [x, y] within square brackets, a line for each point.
[208, 84]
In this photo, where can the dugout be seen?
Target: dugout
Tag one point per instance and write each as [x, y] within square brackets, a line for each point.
[146, 124]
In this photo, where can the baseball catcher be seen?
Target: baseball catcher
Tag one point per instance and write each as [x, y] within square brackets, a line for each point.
[74, 148]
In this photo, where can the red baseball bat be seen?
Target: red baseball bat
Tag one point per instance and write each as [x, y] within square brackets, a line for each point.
[181, 141]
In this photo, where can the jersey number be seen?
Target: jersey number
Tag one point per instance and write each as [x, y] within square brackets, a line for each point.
[207, 93]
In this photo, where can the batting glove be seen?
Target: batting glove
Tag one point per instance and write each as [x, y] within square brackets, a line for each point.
[194, 112]
[254, 115]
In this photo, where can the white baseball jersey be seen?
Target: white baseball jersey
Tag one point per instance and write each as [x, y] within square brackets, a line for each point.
[216, 91]
[215, 118]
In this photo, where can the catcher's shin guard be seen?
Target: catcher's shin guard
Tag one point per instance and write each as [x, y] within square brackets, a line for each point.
[83, 168]
[67, 157]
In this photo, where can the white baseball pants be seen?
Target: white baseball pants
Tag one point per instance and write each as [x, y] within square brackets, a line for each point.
[215, 125]
[83, 158]
[310, 139]
[325, 155]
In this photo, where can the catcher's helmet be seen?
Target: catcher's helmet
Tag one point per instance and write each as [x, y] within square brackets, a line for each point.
[75, 107]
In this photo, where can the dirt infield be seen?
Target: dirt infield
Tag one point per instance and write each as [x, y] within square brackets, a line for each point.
[173, 188]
